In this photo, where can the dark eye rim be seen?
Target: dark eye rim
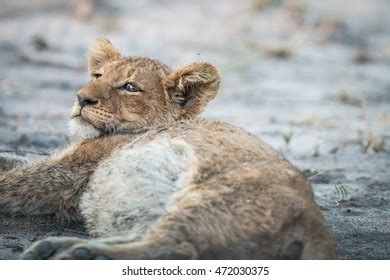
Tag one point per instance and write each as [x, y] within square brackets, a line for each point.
[96, 75]
[134, 88]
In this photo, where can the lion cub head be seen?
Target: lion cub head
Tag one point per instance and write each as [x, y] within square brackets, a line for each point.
[129, 93]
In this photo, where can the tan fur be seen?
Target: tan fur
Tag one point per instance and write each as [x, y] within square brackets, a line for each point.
[99, 53]
[155, 182]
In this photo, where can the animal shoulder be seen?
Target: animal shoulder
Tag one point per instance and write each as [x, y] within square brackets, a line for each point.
[203, 135]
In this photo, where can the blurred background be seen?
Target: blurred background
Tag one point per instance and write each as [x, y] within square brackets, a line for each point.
[312, 78]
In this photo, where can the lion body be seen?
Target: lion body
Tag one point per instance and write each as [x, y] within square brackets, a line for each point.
[139, 181]
[152, 181]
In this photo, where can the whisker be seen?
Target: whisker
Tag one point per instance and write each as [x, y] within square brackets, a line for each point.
[116, 123]
[112, 125]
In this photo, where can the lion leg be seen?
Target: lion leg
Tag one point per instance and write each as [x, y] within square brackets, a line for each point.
[320, 242]
[40, 189]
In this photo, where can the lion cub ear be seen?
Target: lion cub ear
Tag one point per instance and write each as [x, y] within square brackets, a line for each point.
[99, 53]
[191, 87]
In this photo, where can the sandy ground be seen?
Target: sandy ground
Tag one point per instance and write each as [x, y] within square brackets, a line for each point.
[312, 78]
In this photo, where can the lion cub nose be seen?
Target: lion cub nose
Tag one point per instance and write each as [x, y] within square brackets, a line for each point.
[86, 101]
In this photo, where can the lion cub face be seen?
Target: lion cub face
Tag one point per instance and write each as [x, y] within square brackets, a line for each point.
[128, 93]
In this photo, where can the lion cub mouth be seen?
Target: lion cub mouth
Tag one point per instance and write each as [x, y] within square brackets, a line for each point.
[100, 119]
[88, 123]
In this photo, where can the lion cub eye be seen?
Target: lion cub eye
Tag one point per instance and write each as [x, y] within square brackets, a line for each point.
[96, 76]
[130, 87]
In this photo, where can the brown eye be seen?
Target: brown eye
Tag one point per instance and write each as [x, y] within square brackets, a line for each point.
[130, 87]
[96, 76]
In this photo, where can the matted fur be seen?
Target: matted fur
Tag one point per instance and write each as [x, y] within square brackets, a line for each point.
[154, 182]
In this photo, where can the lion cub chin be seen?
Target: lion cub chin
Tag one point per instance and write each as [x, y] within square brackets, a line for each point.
[152, 181]
[79, 129]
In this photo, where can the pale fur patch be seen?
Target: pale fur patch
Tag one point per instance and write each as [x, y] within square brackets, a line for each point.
[82, 130]
[130, 190]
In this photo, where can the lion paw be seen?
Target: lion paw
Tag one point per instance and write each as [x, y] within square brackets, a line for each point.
[58, 248]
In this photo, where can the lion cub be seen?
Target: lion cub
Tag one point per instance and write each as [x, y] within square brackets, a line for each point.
[154, 182]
